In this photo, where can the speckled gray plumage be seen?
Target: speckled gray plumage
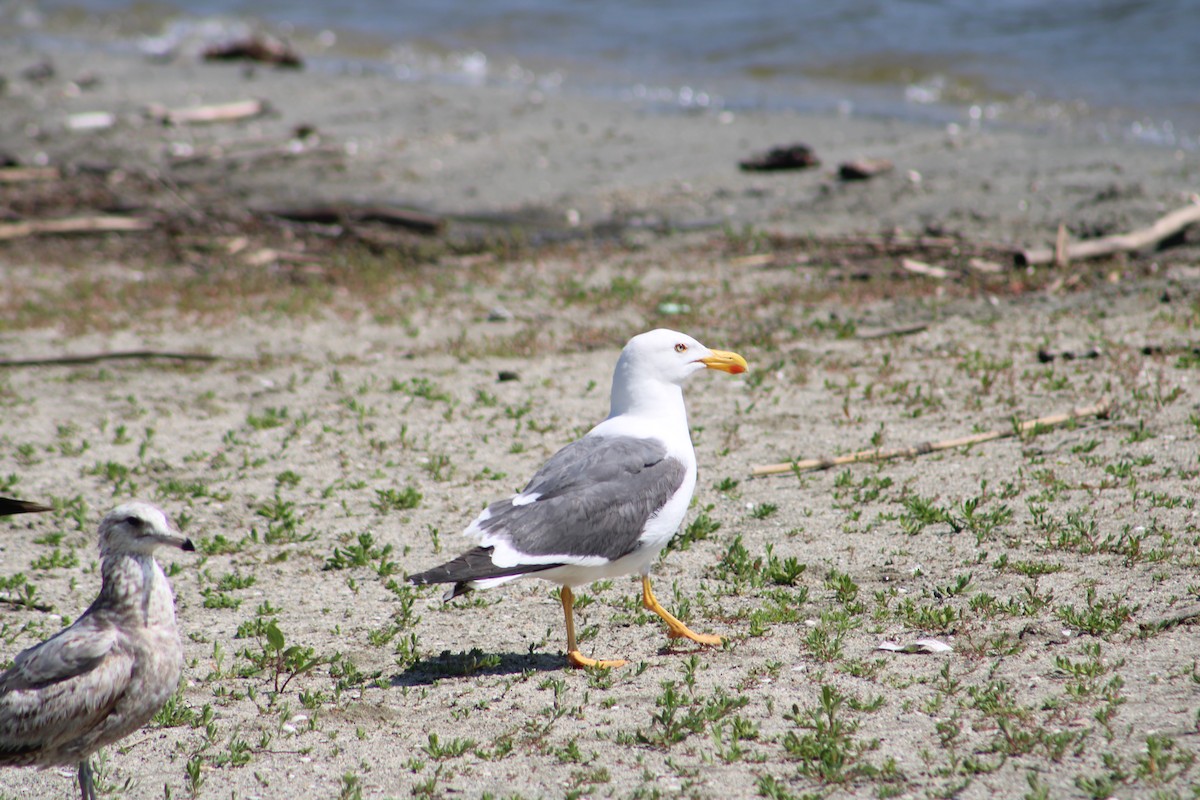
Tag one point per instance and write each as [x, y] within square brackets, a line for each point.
[106, 675]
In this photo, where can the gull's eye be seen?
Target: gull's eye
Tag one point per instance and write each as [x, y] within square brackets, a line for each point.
[681, 348]
[135, 522]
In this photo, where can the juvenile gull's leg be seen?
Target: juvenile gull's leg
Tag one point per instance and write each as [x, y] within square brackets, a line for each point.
[87, 789]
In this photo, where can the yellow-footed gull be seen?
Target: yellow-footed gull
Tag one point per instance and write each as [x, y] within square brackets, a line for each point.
[606, 504]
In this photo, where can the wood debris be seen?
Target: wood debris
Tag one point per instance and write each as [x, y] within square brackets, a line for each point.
[95, 358]
[928, 270]
[918, 646]
[888, 333]
[793, 156]
[28, 174]
[349, 213]
[862, 169]
[200, 115]
[1101, 409]
[258, 49]
[1158, 234]
[65, 225]
[1045, 355]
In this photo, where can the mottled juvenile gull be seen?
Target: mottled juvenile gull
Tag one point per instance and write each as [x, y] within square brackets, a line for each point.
[607, 504]
[9, 506]
[105, 676]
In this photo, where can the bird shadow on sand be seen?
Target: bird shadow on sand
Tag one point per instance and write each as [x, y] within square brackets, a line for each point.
[476, 662]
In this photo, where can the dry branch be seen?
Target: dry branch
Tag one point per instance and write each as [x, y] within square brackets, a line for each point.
[287, 151]
[906, 330]
[921, 268]
[1163, 229]
[1186, 614]
[1099, 410]
[864, 168]
[345, 213]
[124, 355]
[28, 174]
[100, 224]
[221, 112]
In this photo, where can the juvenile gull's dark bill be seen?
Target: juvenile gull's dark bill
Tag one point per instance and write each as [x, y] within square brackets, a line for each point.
[105, 676]
[607, 504]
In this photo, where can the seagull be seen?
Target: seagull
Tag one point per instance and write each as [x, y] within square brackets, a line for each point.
[608, 503]
[9, 506]
[104, 677]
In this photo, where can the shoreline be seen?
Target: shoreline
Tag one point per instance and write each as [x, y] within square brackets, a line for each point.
[506, 150]
[940, 86]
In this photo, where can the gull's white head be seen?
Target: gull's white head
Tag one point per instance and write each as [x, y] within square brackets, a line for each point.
[138, 528]
[670, 356]
[663, 358]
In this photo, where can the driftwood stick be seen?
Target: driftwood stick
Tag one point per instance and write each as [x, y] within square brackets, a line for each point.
[921, 268]
[28, 174]
[343, 213]
[45, 227]
[1099, 410]
[906, 330]
[221, 112]
[1164, 228]
[17, 603]
[1185, 614]
[125, 355]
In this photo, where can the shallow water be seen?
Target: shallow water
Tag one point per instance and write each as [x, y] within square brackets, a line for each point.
[1125, 68]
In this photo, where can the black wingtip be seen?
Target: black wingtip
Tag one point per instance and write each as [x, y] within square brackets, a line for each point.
[9, 506]
[188, 547]
[473, 565]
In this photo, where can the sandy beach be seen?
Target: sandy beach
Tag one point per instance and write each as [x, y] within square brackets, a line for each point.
[353, 421]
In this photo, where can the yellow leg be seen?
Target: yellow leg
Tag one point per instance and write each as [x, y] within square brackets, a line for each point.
[675, 628]
[574, 657]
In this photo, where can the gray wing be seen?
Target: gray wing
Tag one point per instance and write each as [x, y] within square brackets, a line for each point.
[60, 690]
[593, 498]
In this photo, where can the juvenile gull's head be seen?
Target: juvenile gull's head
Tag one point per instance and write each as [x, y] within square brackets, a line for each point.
[139, 527]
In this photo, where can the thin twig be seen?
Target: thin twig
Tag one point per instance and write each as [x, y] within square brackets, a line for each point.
[28, 174]
[1099, 410]
[220, 112]
[887, 333]
[100, 224]
[1181, 616]
[22, 604]
[97, 357]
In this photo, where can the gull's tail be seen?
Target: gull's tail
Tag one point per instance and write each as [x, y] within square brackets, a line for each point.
[472, 568]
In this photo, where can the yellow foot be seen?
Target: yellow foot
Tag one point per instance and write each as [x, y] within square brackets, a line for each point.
[684, 632]
[578, 659]
[675, 628]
